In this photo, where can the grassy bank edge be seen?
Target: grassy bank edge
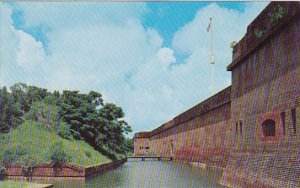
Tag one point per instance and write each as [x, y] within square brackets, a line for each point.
[19, 184]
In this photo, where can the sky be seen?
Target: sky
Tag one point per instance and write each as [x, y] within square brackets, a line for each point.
[150, 58]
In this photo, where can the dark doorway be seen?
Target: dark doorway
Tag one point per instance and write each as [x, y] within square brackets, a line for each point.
[268, 127]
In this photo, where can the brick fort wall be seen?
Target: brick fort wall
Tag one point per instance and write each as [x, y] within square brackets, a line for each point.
[251, 129]
[179, 138]
[265, 88]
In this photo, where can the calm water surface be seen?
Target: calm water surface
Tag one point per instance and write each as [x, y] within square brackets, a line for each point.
[150, 174]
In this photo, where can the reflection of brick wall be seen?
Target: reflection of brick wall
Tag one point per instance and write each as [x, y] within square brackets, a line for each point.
[265, 85]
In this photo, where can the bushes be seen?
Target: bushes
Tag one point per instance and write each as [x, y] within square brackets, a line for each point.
[64, 131]
[46, 115]
[108, 152]
[9, 157]
[30, 139]
[2, 172]
[13, 155]
[58, 156]
[87, 154]
[28, 166]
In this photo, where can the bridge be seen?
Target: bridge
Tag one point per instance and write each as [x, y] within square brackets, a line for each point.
[150, 157]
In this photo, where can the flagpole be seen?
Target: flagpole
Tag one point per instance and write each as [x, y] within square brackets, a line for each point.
[212, 59]
[211, 48]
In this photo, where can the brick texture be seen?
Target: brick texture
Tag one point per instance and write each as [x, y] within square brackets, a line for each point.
[265, 84]
[68, 171]
[226, 130]
[201, 134]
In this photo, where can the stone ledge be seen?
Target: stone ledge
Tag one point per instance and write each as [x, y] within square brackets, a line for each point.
[68, 171]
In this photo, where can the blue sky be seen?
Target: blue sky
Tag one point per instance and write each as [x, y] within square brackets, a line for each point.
[165, 17]
[152, 59]
[168, 17]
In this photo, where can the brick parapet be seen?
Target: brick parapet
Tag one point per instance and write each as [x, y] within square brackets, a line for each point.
[142, 135]
[215, 101]
[263, 24]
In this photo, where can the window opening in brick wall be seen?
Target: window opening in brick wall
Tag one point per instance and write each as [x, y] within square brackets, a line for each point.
[282, 116]
[236, 129]
[241, 128]
[294, 119]
[268, 127]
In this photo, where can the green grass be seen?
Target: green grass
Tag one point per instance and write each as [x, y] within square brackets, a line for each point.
[16, 184]
[32, 140]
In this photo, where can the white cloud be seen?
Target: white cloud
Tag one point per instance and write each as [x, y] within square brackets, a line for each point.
[101, 55]
[163, 94]
[166, 57]
[193, 40]
[30, 52]
[83, 56]
[91, 47]
[10, 72]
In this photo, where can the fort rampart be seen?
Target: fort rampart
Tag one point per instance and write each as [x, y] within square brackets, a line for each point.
[180, 137]
[252, 128]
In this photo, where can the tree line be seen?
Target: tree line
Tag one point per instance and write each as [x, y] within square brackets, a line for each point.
[73, 115]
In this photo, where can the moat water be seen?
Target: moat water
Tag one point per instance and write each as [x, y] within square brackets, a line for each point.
[150, 174]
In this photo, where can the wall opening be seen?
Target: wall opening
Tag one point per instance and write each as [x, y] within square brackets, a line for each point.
[268, 127]
[294, 119]
[236, 129]
[171, 148]
[282, 117]
[241, 128]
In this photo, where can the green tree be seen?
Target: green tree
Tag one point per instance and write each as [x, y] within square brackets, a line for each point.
[10, 109]
[71, 114]
[4, 110]
[103, 128]
[115, 127]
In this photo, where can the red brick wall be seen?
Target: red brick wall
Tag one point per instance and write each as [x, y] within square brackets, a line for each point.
[201, 134]
[264, 85]
[205, 139]
[46, 170]
[140, 145]
[226, 129]
[68, 171]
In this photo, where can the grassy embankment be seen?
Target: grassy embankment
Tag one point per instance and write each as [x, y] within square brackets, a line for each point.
[34, 141]
[19, 184]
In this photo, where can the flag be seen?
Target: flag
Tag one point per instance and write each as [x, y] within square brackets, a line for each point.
[208, 28]
[212, 58]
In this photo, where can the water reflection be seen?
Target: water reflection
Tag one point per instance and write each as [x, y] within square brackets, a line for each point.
[150, 174]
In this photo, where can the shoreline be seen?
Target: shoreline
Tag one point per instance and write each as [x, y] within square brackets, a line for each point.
[67, 172]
